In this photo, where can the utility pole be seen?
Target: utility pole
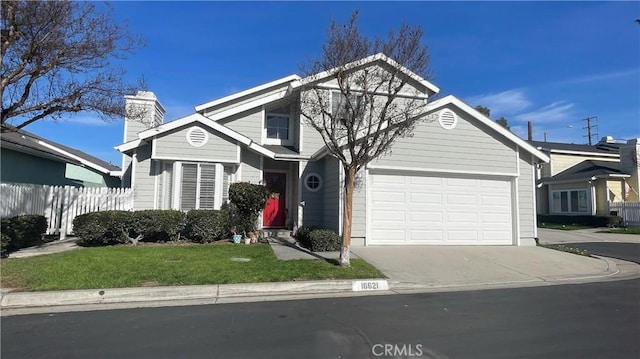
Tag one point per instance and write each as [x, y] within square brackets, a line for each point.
[589, 127]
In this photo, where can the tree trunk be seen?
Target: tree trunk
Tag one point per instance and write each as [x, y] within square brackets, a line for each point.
[349, 177]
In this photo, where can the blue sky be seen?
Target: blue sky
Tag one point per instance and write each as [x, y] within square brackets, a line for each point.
[554, 63]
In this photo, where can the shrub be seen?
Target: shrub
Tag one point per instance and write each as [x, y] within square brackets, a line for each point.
[159, 225]
[104, 228]
[247, 201]
[23, 231]
[595, 221]
[4, 245]
[204, 226]
[318, 239]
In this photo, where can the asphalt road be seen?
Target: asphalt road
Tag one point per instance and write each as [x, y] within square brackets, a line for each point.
[597, 320]
[625, 251]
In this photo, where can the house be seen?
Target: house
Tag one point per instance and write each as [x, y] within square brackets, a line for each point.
[583, 179]
[461, 179]
[28, 158]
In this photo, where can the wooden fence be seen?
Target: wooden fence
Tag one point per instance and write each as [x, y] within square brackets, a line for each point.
[61, 204]
[629, 211]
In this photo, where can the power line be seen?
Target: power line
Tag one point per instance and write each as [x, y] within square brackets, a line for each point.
[590, 126]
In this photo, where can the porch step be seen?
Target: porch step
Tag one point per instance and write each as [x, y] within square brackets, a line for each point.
[276, 233]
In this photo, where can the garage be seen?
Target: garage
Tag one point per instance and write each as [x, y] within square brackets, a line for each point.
[410, 209]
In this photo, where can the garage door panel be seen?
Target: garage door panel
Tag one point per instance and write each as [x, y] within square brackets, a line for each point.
[440, 210]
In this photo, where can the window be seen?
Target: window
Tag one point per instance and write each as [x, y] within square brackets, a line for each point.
[201, 186]
[569, 201]
[313, 182]
[277, 126]
[344, 110]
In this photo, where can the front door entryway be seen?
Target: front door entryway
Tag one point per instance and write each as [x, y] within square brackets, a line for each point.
[274, 214]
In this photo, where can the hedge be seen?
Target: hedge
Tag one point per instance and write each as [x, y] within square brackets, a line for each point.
[205, 226]
[104, 228]
[318, 239]
[594, 221]
[159, 225]
[22, 231]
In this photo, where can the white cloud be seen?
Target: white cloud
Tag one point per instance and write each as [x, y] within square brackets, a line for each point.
[602, 76]
[89, 120]
[503, 103]
[555, 112]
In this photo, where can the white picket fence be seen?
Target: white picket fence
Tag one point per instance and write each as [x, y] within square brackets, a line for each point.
[629, 211]
[61, 204]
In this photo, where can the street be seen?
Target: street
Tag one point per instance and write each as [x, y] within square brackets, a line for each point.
[625, 251]
[596, 320]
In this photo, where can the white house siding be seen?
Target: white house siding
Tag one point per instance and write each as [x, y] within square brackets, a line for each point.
[466, 148]
[174, 145]
[250, 167]
[359, 220]
[144, 180]
[248, 123]
[313, 210]
[245, 99]
[332, 188]
[526, 202]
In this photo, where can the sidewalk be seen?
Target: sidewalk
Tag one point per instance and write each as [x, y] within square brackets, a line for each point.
[417, 269]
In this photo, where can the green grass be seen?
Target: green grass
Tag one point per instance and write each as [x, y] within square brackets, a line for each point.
[564, 227]
[564, 248]
[166, 265]
[627, 230]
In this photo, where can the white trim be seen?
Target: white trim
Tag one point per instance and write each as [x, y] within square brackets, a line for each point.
[443, 171]
[247, 92]
[193, 159]
[219, 183]
[116, 173]
[191, 131]
[239, 152]
[515, 192]
[569, 152]
[128, 146]
[591, 201]
[195, 117]
[368, 206]
[177, 184]
[85, 162]
[300, 134]
[578, 180]
[380, 93]
[155, 182]
[288, 193]
[362, 62]
[153, 148]
[535, 197]
[341, 199]
[132, 182]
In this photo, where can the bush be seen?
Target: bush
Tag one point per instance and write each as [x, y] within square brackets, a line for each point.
[23, 231]
[204, 226]
[247, 201]
[4, 245]
[318, 239]
[159, 225]
[594, 221]
[104, 228]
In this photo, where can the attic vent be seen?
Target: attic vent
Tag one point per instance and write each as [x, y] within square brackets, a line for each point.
[448, 119]
[197, 137]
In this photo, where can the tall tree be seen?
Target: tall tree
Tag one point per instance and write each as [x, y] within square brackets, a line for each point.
[487, 112]
[372, 103]
[56, 60]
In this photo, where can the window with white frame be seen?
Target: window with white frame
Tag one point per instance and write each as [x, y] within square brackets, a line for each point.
[570, 201]
[277, 127]
[346, 108]
[201, 186]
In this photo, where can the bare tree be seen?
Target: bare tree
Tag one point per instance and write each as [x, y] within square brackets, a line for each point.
[368, 102]
[56, 60]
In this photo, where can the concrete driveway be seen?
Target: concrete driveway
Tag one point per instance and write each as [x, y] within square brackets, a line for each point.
[482, 265]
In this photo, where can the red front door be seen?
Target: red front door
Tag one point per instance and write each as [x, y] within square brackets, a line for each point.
[274, 214]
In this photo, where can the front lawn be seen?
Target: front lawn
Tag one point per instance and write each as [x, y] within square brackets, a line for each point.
[565, 248]
[160, 265]
[627, 230]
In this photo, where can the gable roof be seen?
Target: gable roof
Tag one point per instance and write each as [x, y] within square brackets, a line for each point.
[27, 142]
[433, 89]
[588, 170]
[601, 148]
[452, 100]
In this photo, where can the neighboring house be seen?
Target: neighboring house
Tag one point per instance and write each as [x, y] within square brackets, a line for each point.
[582, 179]
[27, 158]
[461, 179]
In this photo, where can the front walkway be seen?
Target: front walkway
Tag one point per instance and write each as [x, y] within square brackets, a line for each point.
[285, 249]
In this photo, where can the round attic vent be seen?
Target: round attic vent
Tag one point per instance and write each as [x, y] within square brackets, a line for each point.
[448, 119]
[197, 137]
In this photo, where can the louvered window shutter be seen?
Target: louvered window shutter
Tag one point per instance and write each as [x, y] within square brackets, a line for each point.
[189, 186]
[207, 186]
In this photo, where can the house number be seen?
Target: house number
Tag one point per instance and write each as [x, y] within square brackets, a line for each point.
[368, 285]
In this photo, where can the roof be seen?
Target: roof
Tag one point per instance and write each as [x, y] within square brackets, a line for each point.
[600, 148]
[588, 170]
[27, 142]
[433, 89]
